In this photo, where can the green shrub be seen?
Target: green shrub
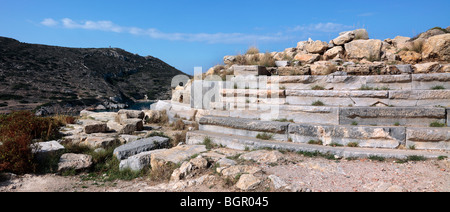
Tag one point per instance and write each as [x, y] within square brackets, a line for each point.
[437, 124]
[437, 87]
[264, 136]
[318, 103]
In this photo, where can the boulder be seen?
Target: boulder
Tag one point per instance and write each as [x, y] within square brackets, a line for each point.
[410, 56]
[139, 161]
[359, 49]
[70, 161]
[248, 182]
[437, 48]
[131, 125]
[361, 34]
[426, 67]
[333, 52]
[132, 113]
[430, 33]
[282, 63]
[401, 42]
[229, 60]
[175, 155]
[344, 38]
[142, 145]
[292, 71]
[315, 47]
[99, 140]
[322, 69]
[187, 167]
[307, 58]
[263, 156]
[91, 126]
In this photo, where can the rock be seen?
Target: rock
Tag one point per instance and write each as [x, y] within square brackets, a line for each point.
[46, 147]
[426, 67]
[248, 182]
[361, 34]
[233, 171]
[333, 52]
[245, 70]
[263, 156]
[292, 71]
[139, 161]
[430, 33]
[187, 167]
[74, 161]
[175, 155]
[99, 140]
[437, 48]
[322, 69]
[307, 58]
[131, 125]
[128, 138]
[410, 56]
[223, 162]
[359, 49]
[229, 60]
[142, 145]
[91, 126]
[132, 114]
[277, 182]
[344, 38]
[316, 47]
[401, 42]
[282, 63]
[405, 69]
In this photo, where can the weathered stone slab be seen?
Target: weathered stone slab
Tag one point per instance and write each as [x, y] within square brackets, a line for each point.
[132, 114]
[74, 161]
[91, 126]
[263, 156]
[364, 136]
[428, 81]
[252, 93]
[175, 155]
[245, 124]
[420, 98]
[250, 70]
[359, 49]
[336, 98]
[332, 93]
[98, 140]
[142, 145]
[404, 116]
[292, 71]
[428, 138]
[448, 117]
[282, 63]
[139, 161]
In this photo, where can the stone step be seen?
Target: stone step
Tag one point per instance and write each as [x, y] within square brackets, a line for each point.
[390, 116]
[250, 143]
[393, 82]
[335, 115]
[363, 136]
[244, 127]
[407, 98]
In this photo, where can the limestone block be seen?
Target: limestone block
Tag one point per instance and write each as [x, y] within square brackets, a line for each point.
[142, 145]
[428, 138]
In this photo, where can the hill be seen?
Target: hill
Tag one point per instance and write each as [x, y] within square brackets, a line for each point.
[70, 79]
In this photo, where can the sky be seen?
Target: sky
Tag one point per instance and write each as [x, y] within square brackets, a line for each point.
[199, 33]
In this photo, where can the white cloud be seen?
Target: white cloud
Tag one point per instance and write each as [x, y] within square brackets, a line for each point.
[156, 34]
[321, 27]
[49, 22]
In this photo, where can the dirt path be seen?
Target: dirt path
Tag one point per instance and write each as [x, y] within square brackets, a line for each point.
[300, 172]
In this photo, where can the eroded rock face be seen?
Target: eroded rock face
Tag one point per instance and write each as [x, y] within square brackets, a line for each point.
[316, 47]
[360, 49]
[437, 48]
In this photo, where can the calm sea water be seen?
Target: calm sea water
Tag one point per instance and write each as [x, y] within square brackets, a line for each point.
[135, 106]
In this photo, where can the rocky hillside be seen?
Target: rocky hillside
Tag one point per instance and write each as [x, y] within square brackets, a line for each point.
[352, 53]
[74, 78]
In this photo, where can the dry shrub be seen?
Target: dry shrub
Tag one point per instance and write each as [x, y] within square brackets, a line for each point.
[179, 137]
[267, 60]
[252, 50]
[179, 125]
[17, 132]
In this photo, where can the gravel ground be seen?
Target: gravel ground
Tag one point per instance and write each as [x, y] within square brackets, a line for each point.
[301, 173]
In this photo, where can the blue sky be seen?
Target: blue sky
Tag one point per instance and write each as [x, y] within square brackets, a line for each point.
[188, 33]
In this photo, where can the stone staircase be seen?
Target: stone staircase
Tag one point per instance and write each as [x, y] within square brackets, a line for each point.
[407, 113]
